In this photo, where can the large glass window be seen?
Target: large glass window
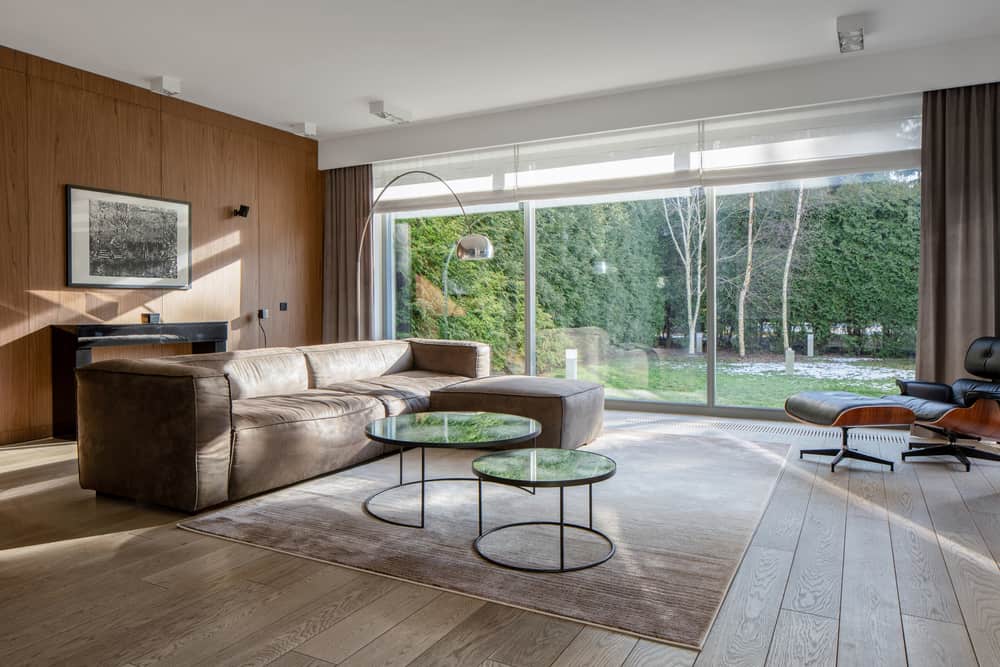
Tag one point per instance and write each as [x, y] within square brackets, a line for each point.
[621, 294]
[728, 262]
[440, 296]
[826, 268]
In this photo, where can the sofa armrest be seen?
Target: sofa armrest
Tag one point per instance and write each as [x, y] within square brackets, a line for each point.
[931, 391]
[154, 431]
[455, 357]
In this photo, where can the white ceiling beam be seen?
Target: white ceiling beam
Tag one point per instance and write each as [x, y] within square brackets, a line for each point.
[846, 77]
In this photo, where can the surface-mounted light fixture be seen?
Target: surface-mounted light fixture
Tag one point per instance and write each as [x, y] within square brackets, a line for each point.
[394, 114]
[851, 33]
[306, 129]
[241, 212]
[468, 247]
[166, 85]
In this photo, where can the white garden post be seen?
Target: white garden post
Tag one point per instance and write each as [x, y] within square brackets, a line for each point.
[810, 340]
[571, 363]
[790, 361]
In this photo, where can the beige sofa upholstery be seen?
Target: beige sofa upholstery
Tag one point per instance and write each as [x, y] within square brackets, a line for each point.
[193, 431]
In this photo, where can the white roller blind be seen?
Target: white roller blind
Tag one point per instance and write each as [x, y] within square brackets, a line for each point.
[856, 137]
[475, 176]
[608, 163]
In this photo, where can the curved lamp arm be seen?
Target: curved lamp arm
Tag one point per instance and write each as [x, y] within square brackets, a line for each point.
[371, 215]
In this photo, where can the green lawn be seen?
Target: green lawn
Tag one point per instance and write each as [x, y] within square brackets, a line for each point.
[764, 383]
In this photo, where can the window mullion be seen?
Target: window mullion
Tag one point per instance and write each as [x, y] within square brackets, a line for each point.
[710, 301]
[528, 213]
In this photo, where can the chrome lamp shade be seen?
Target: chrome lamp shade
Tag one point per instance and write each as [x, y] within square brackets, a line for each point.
[474, 247]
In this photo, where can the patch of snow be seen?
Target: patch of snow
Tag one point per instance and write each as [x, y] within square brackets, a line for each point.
[842, 368]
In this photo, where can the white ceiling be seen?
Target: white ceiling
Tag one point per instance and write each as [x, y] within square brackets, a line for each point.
[323, 60]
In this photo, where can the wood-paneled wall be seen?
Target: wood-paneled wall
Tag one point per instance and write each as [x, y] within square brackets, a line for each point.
[62, 125]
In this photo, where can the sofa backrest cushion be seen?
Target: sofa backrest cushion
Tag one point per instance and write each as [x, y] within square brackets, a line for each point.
[252, 373]
[360, 360]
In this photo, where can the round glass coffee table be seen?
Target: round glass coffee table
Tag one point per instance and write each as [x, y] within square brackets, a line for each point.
[540, 468]
[444, 430]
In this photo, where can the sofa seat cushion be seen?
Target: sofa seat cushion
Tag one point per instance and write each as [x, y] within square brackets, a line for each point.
[309, 405]
[400, 393]
[283, 440]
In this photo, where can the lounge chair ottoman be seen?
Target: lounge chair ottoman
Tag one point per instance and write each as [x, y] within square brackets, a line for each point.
[571, 412]
[846, 410]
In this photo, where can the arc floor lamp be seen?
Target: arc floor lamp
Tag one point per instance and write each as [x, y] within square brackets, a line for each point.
[469, 247]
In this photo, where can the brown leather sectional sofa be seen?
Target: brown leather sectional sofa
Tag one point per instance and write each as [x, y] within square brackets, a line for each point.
[193, 431]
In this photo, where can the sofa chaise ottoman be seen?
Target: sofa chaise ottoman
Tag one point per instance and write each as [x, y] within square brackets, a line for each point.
[571, 412]
[193, 431]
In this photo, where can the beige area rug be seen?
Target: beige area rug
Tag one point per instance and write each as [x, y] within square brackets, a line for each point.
[681, 509]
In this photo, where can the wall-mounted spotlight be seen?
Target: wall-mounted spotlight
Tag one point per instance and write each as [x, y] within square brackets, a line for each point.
[392, 114]
[166, 85]
[306, 129]
[241, 212]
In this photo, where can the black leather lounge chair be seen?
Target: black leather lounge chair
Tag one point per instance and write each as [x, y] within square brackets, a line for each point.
[967, 408]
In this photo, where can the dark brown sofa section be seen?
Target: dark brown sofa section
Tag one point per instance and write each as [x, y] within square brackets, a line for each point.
[193, 431]
[571, 412]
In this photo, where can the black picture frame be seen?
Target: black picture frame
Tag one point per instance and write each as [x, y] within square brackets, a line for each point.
[80, 255]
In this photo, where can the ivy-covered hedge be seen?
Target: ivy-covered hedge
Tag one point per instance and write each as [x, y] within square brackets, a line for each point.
[853, 278]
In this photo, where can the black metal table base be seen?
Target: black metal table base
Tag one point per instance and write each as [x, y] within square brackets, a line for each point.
[423, 481]
[562, 524]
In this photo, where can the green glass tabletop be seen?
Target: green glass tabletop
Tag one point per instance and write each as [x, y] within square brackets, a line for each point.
[453, 429]
[544, 467]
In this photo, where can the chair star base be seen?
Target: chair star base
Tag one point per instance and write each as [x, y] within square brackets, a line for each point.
[961, 452]
[841, 454]
[845, 452]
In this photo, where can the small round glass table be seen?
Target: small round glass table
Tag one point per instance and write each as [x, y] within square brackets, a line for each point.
[444, 430]
[541, 468]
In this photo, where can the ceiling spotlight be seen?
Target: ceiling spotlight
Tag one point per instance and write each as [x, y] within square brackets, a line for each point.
[166, 85]
[306, 129]
[393, 115]
[851, 33]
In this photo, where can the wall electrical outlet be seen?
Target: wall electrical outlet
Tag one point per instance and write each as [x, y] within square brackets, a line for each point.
[283, 306]
[263, 314]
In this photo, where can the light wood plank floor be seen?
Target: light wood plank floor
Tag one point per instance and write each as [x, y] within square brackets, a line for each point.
[858, 567]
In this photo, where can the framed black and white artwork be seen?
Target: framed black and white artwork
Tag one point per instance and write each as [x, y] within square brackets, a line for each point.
[116, 239]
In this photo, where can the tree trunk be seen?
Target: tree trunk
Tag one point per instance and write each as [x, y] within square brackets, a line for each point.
[690, 316]
[741, 306]
[688, 243]
[699, 289]
[788, 267]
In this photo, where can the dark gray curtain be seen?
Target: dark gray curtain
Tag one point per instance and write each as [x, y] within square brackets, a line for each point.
[959, 226]
[347, 200]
